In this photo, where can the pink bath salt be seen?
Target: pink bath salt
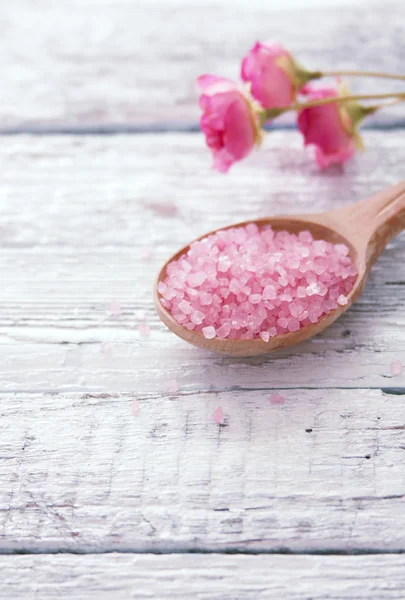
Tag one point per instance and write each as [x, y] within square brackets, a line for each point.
[135, 408]
[396, 368]
[144, 329]
[276, 399]
[218, 415]
[254, 283]
[115, 308]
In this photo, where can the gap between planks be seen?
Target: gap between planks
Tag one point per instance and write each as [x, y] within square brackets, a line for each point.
[101, 129]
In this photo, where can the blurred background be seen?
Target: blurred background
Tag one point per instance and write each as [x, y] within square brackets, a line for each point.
[116, 65]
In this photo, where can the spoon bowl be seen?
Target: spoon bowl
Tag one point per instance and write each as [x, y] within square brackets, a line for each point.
[365, 228]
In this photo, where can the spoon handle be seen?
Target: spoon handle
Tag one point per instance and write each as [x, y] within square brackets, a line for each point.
[376, 220]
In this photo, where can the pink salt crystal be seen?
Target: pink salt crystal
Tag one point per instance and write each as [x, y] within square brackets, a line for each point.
[208, 332]
[255, 298]
[396, 368]
[164, 209]
[276, 399]
[224, 330]
[312, 289]
[106, 348]
[342, 300]
[185, 307]
[305, 236]
[218, 415]
[265, 335]
[114, 308]
[269, 292]
[135, 408]
[197, 317]
[144, 330]
[196, 279]
[171, 386]
[205, 298]
[223, 264]
[234, 286]
[293, 325]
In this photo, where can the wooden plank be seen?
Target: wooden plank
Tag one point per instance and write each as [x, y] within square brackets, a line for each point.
[77, 216]
[322, 472]
[123, 62]
[203, 577]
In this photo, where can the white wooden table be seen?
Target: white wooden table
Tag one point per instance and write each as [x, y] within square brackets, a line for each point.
[302, 500]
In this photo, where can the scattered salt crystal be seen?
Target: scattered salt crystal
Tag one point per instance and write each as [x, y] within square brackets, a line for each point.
[276, 399]
[115, 308]
[342, 300]
[171, 386]
[396, 368]
[218, 415]
[144, 330]
[164, 209]
[246, 283]
[135, 408]
[106, 348]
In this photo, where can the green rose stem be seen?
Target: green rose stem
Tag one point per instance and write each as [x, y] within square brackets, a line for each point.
[359, 74]
[272, 113]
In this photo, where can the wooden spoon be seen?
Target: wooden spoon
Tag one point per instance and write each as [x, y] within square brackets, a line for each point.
[365, 227]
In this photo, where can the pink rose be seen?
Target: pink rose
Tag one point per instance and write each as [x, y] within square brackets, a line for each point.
[328, 127]
[271, 72]
[230, 125]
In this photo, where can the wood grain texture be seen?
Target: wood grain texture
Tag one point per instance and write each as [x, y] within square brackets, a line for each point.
[77, 216]
[122, 62]
[203, 577]
[322, 472]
